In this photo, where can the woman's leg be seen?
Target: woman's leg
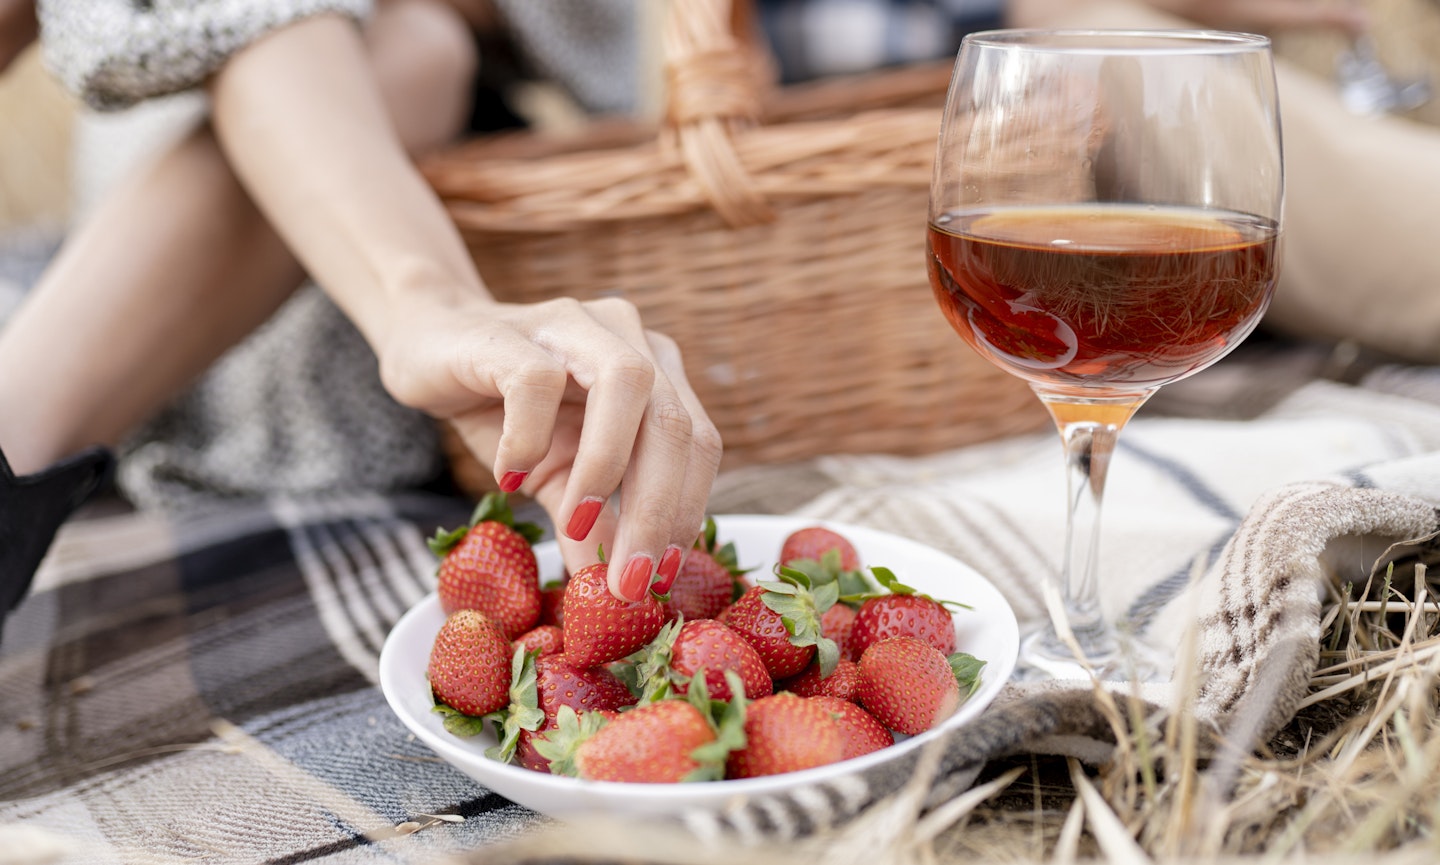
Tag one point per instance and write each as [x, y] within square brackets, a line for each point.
[178, 264]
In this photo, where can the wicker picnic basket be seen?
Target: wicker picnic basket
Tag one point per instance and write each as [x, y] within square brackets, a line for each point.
[777, 234]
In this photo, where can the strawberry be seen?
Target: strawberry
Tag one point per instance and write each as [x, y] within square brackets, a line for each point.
[860, 733]
[552, 602]
[836, 624]
[651, 744]
[813, 542]
[908, 685]
[826, 557]
[785, 733]
[539, 687]
[599, 627]
[490, 566]
[683, 649]
[561, 683]
[528, 749]
[669, 740]
[558, 683]
[781, 619]
[526, 753]
[470, 664]
[707, 582]
[917, 616]
[842, 681]
[542, 640]
[899, 611]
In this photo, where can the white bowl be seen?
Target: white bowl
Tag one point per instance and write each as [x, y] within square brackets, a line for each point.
[989, 632]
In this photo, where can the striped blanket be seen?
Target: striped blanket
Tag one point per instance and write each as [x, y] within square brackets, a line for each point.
[203, 688]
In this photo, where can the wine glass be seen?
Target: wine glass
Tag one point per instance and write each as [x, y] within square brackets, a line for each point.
[1105, 216]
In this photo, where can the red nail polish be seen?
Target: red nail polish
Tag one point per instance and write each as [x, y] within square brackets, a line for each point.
[635, 582]
[511, 481]
[668, 569]
[583, 520]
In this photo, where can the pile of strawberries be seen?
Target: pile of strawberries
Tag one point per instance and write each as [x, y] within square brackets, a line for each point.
[722, 677]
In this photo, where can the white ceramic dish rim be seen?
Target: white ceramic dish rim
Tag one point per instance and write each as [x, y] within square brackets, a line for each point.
[996, 630]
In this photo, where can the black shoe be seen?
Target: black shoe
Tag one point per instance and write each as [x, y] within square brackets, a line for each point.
[33, 507]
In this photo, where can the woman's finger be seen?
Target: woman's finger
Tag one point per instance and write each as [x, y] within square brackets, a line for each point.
[665, 491]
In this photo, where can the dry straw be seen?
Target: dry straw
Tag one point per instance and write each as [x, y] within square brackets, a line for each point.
[777, 234]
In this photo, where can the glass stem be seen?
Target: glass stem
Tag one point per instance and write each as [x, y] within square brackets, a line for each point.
[1089, 430]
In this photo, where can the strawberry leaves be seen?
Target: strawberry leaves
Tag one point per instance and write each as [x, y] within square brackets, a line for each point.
[727, 719]
[967, 672]
[524, 711]
[560, 745]
[829, 568]
[800, 604]
[892, 585]
[494, 507]
[653, 674]
[457, 723]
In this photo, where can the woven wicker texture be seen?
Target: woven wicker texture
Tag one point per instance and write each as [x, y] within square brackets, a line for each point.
[785, 256]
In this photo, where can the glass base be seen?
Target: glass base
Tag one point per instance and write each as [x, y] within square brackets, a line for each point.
[1043, 655]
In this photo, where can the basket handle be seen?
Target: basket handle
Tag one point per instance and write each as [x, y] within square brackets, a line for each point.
[712, 87]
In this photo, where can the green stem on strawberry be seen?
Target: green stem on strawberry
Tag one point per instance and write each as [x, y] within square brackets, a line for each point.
[891, 585]
[524, 711]
[727, 719]
[654, 677]
[828, 569]
[800, 604]
[457, 723]
[967, 672]
[559, 745]
[494, 507]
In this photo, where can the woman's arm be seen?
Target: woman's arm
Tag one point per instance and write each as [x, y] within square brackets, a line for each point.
[303, 126]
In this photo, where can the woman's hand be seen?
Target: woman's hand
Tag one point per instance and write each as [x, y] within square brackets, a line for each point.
[568, 402]
[578, 398]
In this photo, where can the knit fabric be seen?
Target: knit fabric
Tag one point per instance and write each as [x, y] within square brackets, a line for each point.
[115, 53]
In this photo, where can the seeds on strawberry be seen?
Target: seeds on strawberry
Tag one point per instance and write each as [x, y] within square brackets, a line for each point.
[764, 629]
[918, 616]
[650, 744]
[470, 664]
[708, 579]
[813, 542]
[559, 682]
[843, 681]
[907, 684]
[836, 623]
[599, 627]
[785, 733]
[542, 640]
[860, 732]
[681, 651]
[702, 588]
[781, 619]
[490, 566]
[552, 601]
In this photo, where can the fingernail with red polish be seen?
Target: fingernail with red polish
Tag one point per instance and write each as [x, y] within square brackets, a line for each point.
[668, 569]
[635, 582]
[511, 481]
[583, 520]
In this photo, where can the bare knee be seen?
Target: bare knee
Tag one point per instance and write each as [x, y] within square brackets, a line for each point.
[424, 57]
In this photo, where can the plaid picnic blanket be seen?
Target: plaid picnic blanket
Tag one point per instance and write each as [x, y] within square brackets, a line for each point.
[203, 687]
